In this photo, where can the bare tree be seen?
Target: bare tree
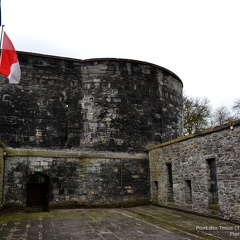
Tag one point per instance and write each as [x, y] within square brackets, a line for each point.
[196, 112]
[221, 116]
[236, 108]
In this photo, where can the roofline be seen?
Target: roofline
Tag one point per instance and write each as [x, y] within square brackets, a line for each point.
[102, 59]
[205, 132]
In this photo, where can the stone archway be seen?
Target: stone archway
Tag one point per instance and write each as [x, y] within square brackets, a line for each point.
[37, 192]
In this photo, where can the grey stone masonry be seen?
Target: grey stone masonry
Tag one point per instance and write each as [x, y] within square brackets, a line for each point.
[78, 179]
[199, 172]
[76, 130]
[100, 104]
[1, 173]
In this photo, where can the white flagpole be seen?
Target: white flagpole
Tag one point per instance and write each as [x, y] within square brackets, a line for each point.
[1, 36]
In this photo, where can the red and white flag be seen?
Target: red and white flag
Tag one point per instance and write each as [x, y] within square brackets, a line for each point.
[9, 65]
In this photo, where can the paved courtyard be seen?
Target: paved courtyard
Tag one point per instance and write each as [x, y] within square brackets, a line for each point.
[147, 222]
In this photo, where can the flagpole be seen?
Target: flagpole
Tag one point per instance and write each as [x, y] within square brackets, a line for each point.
[1, 36]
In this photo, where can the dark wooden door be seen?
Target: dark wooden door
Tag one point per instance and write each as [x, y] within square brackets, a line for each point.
[37, 192]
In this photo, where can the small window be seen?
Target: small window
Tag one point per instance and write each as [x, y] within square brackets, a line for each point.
[188, 191]
[155, 185]
[169, 182]
[155, 191]
[212, 181]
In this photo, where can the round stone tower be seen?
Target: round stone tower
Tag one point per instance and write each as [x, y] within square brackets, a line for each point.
[100, 104]
[76, 131]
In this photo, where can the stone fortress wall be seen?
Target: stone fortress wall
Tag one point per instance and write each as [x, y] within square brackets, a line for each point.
[77, 179]
[199, 173]
[100, 104]
[1, 173]
[80, 129]
[107, 132]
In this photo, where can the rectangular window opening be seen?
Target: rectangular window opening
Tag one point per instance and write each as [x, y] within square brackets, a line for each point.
[155, 191]
[169, 182]
[188, 191]
[212, 181]
[155, 185]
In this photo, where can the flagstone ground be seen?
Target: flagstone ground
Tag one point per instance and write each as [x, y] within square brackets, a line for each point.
[147, 222]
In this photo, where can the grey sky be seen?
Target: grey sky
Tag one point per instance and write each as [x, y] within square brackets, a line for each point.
[199, 40]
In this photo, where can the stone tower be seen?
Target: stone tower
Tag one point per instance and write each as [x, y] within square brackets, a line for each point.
[100, 104]
[77, 130]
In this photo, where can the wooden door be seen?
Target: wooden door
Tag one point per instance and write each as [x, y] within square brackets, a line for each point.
[37, 192]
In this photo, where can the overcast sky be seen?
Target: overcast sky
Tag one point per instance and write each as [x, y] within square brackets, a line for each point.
[199, 40]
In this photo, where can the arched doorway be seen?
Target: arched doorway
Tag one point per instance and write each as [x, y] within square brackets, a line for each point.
[37, 192]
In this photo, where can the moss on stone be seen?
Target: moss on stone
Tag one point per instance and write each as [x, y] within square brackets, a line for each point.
[173, 227]
[14, 207]
[214, 209]
[75, 204]
[75, 154]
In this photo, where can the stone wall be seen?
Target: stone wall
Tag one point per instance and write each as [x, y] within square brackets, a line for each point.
[82, 127]
[79, 179]
[1, 173]
[199, 172]
[100, 104]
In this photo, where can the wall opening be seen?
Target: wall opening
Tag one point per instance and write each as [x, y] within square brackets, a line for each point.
[169, 182]
[155, 191]
[188, 191]
[37, 192]
[212, 181]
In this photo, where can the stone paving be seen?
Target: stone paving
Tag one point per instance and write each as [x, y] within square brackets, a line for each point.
[146, 222]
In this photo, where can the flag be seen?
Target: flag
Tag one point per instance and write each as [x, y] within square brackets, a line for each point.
[9, 65]
[0, 14]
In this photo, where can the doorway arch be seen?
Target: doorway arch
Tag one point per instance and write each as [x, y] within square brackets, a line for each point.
[37, 192]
